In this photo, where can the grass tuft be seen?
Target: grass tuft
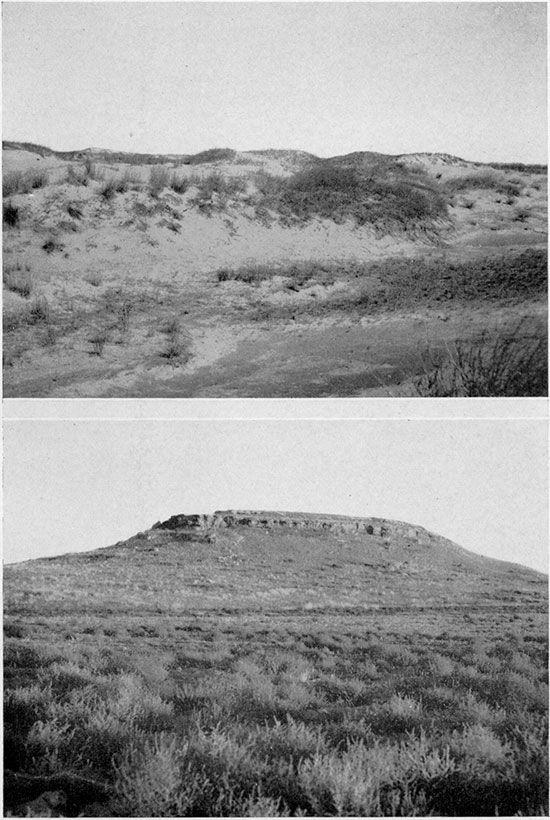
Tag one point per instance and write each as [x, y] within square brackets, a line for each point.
[10, 215]
[159, 178]
[17, 280]
[515, 364]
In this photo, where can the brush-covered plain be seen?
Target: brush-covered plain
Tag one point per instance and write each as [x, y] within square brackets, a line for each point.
[274, 675]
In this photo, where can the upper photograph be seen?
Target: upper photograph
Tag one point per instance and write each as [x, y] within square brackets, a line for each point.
[295, 200]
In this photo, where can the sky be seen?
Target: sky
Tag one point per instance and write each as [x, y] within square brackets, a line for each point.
[463, 78]
[72, 485]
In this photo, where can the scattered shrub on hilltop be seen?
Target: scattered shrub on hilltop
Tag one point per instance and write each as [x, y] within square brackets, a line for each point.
[212, 155]
[482, 181]
[519, 166]
[386, 200]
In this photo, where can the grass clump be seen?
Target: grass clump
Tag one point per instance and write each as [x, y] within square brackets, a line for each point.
[513, 365]
[77, 175]
[112, 186]
[483, 182]
[12, 183]
[159, 178]
[176, 349]
[17, 182]
[251, 274]
[51, 244]
[178, 184]
[215, 191]
[39, 311]
[388, 199]
[17, 279]
[296, 274]
[93, 278]
[10, 214]
[98, 338]
[36, 179]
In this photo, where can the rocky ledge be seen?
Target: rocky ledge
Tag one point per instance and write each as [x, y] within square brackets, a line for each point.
[205, 525]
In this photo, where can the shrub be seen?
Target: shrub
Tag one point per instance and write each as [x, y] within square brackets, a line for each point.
[513, 365]
[98, 339]
[214, 191]
[251, 274]
[10, 215]
[12, 183]
[17, 280]
[36, 179]
[386, 198]
[39, 311]
[76, 176]
[123, 311]
[159, 178]
[151, 780]
[179, 184]
[51, 244]
[93, 278]
[74, 211]
[49, 337]
[212, 155]
[522, 214]
[172, 350]
[172, 326]
[485, 181]
[114, 185]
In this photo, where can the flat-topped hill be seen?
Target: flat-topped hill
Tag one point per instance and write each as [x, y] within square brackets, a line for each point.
[275, 560]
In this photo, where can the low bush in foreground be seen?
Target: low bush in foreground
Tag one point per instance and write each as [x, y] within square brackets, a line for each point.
[230, 724]
[513, 365]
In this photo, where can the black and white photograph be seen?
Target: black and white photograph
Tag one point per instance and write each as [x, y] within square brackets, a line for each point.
[274, 199]
[266, 618]
[275, 415]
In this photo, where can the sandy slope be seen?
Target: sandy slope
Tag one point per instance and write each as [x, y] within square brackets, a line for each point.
[162, 254]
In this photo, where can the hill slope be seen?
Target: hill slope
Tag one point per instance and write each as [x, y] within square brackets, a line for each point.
[242, 560]
[275, 664]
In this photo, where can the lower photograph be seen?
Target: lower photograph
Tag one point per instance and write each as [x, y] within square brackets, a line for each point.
[275, 618]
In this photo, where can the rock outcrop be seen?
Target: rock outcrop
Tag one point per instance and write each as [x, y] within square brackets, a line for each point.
[205, 525]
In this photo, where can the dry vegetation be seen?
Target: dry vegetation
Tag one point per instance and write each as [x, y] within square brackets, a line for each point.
[387, 242]
[275, 674]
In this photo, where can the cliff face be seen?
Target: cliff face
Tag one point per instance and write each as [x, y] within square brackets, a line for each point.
[202, 525]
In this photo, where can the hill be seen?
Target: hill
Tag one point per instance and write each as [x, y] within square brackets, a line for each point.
[252, 663]
[268, 273]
